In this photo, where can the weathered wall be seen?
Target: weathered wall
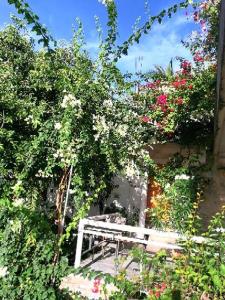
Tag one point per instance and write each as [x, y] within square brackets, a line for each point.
[162, 153]
[215, 194]
[130, 194]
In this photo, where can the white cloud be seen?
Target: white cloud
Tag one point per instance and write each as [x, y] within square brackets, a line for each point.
[158, 47]
[154, 50]
[92, 46]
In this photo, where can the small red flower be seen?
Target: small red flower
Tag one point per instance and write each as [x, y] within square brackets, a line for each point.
[157, 294]
[151, 292]
[159, 125]
[198, 57]
[190, 87]
[185, 72]
[179, 83]
[186, 67]
[163, 286]
[179, 101]
[97, 281]
[95, 290]
[185, 64]
[161, 100]
[151, 85]
[146, 119]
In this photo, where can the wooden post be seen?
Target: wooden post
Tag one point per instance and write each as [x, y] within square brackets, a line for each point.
[79, 244]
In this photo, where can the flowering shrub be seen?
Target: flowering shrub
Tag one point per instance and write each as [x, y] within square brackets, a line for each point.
[65, 116]
[174, 106]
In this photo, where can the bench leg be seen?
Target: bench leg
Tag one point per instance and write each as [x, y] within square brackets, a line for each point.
[79, 245]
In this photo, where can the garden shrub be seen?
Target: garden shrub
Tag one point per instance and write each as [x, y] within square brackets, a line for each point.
[28, 247]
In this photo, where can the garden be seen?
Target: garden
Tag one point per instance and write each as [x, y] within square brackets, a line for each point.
[70, 122]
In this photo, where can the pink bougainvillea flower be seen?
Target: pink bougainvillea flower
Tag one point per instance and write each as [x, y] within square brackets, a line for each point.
[185, 67]
[163, 286]
[97, 281]
[179, 83]
[203, 5]
[185, 64]
[151, 85]
[157, 294]
[146, 119]
[96, 285]
[159, 125]
[179, 101]
[161, 100]
[198, 57]
[95, 290]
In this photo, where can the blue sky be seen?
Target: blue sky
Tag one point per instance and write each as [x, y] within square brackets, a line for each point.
[158, 47]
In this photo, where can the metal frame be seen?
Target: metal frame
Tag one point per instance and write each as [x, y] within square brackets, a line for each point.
[96, 226]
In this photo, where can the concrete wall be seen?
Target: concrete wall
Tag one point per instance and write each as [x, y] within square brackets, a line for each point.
[128, 193]
[215, 193]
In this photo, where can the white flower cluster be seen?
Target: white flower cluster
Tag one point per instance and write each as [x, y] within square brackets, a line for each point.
[18, 202]
[101, 126]
[122, 130]
[43, 174]
[58, 126]
[16, 225]
[65, 155]
[108, 103]
[105, 2]
[132, 171]
[70, 100]
[3, 271]
[58, 154]
[183, 176]
[167, 89]
[29, 119]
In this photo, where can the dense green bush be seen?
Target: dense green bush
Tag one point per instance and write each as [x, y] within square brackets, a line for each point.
[28, 248]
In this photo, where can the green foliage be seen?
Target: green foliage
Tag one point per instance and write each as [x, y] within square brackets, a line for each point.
[58, 109]
[24, 9]
[28, 246]
[145, 29]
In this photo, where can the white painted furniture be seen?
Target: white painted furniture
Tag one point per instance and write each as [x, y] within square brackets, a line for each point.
[96, 226]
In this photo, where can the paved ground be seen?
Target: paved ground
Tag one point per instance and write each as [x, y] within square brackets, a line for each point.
[107, 264]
